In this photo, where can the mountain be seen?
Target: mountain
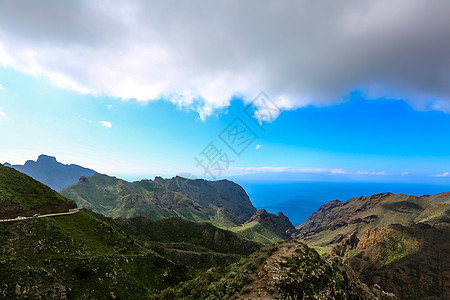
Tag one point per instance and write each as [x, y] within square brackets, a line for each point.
[411, 261]
[21, 195]
[222, 203]
[52, 173]
[266, 228]
[336, 219]
[287, 270]
[222, 193]
[398, 242]
[88, 256]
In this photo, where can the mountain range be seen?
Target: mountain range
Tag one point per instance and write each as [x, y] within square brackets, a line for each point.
[51, 172]
[223, 203]
[179, 238]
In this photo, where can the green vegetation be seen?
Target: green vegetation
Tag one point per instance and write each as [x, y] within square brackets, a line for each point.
[117, 198]
[86, 255]
[179, 230]
[288, 270]
[19, 189]
[257, 232]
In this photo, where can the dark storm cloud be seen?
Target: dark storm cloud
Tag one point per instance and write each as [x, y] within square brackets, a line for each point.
[299, 52]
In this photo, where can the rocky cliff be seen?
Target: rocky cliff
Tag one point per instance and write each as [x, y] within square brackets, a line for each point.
[412, 261]
[336, 219]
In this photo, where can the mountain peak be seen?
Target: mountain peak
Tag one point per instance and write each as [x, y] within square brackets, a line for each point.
[46, 159]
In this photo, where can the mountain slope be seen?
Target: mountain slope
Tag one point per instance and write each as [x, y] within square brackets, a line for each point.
[411, 261]
[266, 228]
[89, 256]
[288, 270]
[217, 193]
[399, 242]
[52, 173]
[154, 199]
[21, 195]
[336, 219]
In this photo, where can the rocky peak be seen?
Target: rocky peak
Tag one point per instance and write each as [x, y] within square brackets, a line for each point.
[278, 223]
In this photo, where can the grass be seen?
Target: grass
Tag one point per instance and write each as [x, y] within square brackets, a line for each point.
[20, 189]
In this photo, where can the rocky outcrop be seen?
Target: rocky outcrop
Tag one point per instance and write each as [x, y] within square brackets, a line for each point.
[279, 223]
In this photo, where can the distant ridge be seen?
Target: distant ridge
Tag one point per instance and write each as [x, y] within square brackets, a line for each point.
[52, 173]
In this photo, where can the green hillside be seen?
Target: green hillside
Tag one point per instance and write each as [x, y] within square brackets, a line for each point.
[114, 197]
[85, 255]
[183, 231]
[21, 194]
[288, 270]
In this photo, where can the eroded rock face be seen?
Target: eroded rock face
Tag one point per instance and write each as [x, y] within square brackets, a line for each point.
[349, 242]
[410, 261]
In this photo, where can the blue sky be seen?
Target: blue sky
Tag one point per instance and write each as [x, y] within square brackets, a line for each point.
[338, 142]
[139, 88]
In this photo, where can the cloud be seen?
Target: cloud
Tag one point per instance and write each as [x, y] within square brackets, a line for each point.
[369, 173]
[289, 170]
[106, 124]
[405, 173]
[2, 113]
[199, 54]
[1, 87]
[446, 174]
[258, 146]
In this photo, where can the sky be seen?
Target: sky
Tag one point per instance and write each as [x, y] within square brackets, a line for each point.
[271, 90]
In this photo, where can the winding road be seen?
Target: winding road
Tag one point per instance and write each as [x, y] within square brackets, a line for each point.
[71, 211]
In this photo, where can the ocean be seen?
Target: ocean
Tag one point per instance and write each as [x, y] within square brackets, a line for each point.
[298, 200]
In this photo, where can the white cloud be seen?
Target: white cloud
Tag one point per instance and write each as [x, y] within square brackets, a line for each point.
[446, 174]
[199, 54]
[106, 124]
[289, 170]
[369, 173]
[378, 173]
[110, 106]
[1, 87]
[2, 113]
[258, 146]
[405, 173]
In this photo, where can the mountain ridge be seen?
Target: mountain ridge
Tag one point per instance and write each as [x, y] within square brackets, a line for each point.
[52, 173]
